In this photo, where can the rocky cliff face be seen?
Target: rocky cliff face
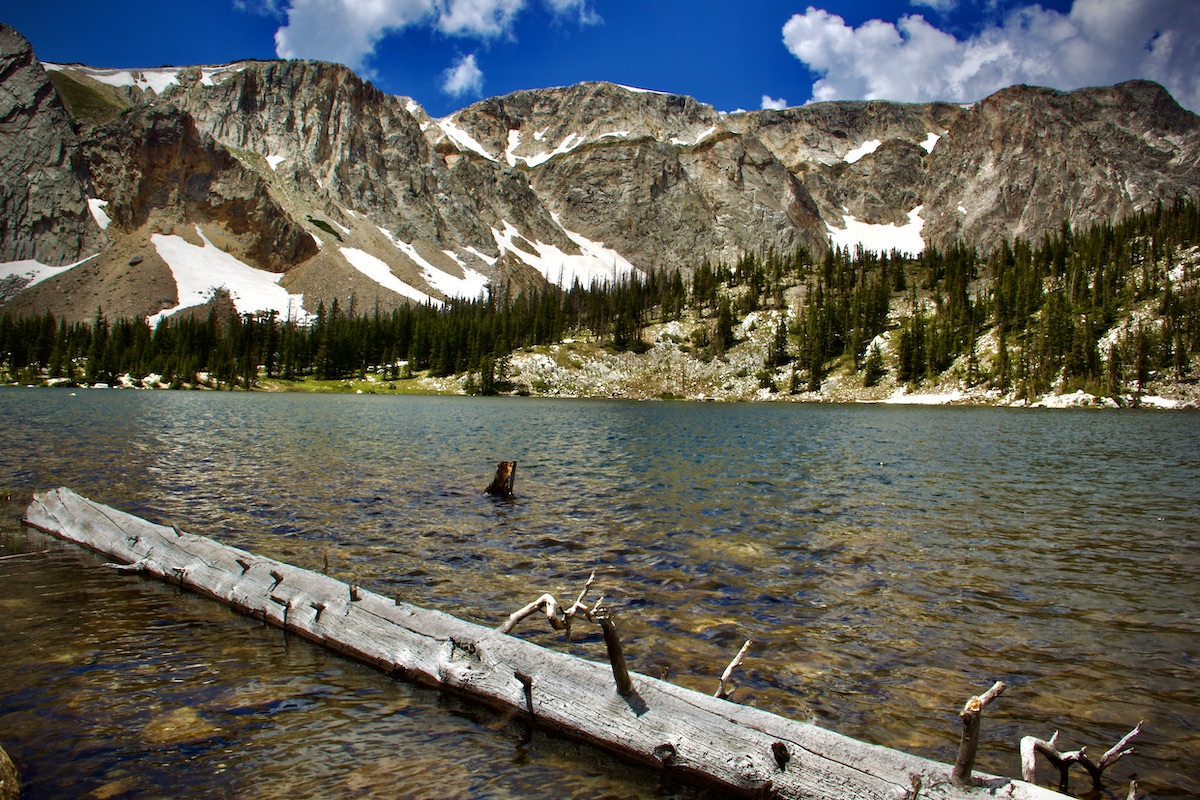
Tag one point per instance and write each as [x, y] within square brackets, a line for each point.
[159, 173]
[303, 168]
[43, 203]
[1026, 160]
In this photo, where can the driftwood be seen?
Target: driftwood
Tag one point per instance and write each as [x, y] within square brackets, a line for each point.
[1031, 746]
[740, 750]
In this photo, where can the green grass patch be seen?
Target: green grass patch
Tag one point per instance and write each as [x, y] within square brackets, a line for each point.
[87, 100]
[325, 226]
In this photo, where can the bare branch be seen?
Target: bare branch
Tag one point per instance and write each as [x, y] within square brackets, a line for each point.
[616, 655]
[545, 603]
[1031, 746]
[969, 743]
[726, 688]
[578, 605]
[549, 606]
[1117, 750]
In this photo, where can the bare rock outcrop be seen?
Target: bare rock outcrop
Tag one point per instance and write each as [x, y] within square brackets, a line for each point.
[1026, 160]
[157, 171]
[43, 199]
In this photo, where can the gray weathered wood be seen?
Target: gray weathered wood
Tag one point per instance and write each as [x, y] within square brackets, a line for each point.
[742, 750]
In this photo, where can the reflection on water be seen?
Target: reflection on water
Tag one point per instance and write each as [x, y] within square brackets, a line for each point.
[887, 562]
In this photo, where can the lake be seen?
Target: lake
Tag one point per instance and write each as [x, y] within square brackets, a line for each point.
[888, 563]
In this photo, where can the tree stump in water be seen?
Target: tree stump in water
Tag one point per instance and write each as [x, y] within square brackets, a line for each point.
[502, 484]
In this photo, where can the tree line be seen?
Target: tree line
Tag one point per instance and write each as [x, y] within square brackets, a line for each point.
[1050, 305]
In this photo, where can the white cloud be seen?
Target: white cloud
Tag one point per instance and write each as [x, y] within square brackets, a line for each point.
[464, 78]
[264, 8]
[479, 18]
[575, 8]
[1098, 42]
[772, 103]
[937, 5]
[347, 31]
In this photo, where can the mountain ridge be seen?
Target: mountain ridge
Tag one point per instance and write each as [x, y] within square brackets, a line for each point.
[344, 192]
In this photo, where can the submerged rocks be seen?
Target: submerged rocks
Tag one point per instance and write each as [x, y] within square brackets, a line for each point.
[10, 780]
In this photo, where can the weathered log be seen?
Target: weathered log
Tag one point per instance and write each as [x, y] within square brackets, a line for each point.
[741, 750]
[502, 484]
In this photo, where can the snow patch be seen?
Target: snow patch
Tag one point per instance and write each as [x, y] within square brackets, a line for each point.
[572, 141]
[675, 140]
[636, 89]
[463, 140]
[881, 238]
[156, 79]
[96, 206]
[471, 286]
[378, 271]
[273, 161]
[1154, 401]
[484, 257]
[208, 73]
[199, 271]
[1076, 399]
[34, 272]
[863, 149]
[931, 139]
[595, 264]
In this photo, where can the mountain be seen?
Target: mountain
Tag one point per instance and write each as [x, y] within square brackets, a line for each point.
[295, 183]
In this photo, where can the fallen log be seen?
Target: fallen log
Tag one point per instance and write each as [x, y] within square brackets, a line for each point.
[741, 750]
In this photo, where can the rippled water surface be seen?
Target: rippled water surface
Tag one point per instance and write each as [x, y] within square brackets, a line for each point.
[887, 562]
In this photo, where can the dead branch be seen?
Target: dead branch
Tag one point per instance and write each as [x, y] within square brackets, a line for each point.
[968, 746]
[616, 655]
[546, 604]
[1031, 746]
[727, 687]
[549, 606]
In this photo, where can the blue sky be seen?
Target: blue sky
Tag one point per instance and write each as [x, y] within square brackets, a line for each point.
[731, 53]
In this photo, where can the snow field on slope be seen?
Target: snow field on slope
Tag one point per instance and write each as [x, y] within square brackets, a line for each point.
[34, 272]
[471, 286]
[377, 270]
[881, 238]
[199, 271]
[596, 263]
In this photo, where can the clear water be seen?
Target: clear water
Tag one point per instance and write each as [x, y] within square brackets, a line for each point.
[887, 562]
